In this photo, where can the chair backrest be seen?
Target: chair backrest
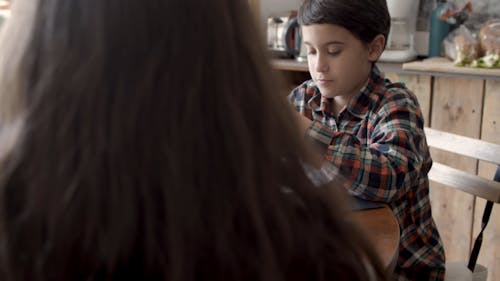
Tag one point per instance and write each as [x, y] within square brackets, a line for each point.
[454, 178]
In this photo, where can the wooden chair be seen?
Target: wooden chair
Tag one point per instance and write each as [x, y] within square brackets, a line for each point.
[472, 184]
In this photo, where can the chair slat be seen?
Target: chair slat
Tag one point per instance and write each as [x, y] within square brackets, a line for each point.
[466, 146]
[454, 178]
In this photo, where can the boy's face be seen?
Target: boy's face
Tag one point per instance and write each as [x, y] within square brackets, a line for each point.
[339, 63]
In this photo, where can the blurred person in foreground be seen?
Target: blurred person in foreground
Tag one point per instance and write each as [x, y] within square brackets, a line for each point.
[131, 150]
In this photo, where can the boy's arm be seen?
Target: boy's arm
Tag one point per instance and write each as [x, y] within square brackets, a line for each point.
[392, 160]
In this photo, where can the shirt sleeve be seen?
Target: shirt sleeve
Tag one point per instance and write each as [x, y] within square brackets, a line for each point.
[391, 161]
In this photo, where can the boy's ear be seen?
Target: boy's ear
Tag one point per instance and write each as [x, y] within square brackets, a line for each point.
[376, 47]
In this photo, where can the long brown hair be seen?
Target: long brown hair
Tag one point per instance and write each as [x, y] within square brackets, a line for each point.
[153, 145]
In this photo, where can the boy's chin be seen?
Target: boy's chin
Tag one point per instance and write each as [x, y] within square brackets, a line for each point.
[328, 94]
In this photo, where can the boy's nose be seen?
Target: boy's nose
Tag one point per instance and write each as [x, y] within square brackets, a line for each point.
[320, 64]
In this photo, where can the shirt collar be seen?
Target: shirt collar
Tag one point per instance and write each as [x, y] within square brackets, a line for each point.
[317, 102]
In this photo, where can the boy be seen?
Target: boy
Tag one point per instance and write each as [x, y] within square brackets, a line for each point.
[370, 128]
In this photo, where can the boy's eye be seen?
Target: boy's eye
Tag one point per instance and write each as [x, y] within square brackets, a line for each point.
[333, 52]
[310, 51]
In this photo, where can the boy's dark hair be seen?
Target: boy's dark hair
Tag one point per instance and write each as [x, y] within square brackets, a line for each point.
[363, 18]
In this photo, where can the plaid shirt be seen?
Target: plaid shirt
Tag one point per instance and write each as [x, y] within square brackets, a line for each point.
[378, 143]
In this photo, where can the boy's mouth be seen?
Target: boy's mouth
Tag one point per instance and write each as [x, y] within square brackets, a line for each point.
[323, 81]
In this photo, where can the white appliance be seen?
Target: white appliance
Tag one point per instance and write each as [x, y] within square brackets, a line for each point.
[401, 41]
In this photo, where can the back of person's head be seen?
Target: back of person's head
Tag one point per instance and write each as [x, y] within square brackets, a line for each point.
[152, 144]
[365, 19]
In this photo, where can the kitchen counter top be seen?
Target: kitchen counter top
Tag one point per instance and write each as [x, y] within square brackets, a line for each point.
[439, 67]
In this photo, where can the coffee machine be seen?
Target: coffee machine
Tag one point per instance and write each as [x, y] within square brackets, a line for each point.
[401, 41]
[283, 35]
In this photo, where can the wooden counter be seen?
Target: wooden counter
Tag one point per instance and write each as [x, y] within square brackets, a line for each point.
[445, 67]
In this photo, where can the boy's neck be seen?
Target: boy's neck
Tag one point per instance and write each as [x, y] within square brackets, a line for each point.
[338, 104]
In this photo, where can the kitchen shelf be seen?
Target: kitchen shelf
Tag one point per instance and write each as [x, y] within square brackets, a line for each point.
[294, 65]
[436, 67]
